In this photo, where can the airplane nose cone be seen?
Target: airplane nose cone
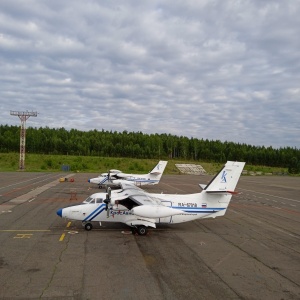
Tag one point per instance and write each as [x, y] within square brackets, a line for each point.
[59, 212]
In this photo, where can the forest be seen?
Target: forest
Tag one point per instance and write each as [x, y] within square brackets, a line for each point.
[103, 143]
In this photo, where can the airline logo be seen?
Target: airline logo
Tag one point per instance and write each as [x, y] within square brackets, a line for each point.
[223, 177]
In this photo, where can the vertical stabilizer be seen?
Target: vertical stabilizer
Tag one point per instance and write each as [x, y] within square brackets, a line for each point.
[158, 170]
[227, 179]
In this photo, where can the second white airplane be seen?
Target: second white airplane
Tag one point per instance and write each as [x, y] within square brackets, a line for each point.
[115, 177]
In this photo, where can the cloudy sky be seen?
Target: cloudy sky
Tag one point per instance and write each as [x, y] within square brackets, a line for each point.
[224, 70]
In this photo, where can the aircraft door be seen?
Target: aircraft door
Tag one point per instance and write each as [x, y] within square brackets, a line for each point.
[166, 219]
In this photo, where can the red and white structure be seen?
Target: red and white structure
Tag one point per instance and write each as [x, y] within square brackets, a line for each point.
[23, 115]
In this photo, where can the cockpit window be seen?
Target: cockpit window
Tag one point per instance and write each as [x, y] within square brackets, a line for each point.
[87, 200]
[92, 201]
[99, 200]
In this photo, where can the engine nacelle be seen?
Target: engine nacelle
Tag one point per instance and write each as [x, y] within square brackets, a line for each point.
[95, 180]
[155, 211]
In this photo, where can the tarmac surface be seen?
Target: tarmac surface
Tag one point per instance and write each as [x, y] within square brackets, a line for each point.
[253, 252]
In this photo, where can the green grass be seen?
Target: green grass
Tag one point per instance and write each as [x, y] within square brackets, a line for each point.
[90, 164]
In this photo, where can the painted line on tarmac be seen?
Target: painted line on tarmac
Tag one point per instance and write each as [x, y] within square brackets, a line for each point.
[62, 237]
[19, 182]
[32, 194]
[287, 233]
[271, 195]
[63, 234]
[24, 230]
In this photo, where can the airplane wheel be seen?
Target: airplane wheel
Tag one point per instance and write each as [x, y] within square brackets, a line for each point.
[142, 230]
[100, 186]
[88, 226]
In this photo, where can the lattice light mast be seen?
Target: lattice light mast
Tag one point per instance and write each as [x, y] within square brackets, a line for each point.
[23, 115]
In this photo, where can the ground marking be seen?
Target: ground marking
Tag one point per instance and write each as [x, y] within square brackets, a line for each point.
[23, 236]
[62, 237]
[70, 232]
[271, 195]
[18, 230]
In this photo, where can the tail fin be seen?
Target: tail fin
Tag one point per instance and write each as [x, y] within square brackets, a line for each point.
[159, 168]
[226, 180]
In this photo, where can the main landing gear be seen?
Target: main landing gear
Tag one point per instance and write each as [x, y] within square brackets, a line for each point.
[140, 230]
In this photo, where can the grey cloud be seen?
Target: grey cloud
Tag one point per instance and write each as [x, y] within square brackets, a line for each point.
[226, 70]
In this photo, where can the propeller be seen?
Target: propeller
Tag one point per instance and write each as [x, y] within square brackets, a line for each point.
[109, 180]
[107, 200]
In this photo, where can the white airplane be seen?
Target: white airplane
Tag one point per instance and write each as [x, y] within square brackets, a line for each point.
[115, 177]
[140, 210]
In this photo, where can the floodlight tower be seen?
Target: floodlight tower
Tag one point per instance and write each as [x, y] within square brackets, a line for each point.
[23, 115]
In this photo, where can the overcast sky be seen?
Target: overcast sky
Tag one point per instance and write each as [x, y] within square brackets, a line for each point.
[224, 70]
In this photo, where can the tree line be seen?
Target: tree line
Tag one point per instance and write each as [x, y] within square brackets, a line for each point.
[140, 145]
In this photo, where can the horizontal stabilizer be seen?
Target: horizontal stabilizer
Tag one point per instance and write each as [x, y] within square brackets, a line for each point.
[222, 192]
[155, 173]
[203, 186]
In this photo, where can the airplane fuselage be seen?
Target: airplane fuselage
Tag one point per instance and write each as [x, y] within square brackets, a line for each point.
[116, 177]
[137, 180]
[189, 207]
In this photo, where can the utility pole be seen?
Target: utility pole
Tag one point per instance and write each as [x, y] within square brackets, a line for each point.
[23, 115]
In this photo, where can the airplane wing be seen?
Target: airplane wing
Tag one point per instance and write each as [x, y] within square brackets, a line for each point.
[121, 175]
[144, 205]
[137, 195]
[115, 171]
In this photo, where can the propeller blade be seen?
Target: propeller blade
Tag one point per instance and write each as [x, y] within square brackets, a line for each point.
[108, 200]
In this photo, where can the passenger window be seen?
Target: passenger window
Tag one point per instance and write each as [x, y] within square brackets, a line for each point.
[99, 200]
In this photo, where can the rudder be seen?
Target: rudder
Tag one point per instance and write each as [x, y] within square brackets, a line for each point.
[159, 168]
[227, 179]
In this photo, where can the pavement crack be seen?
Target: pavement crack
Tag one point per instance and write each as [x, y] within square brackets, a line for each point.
[55, 266]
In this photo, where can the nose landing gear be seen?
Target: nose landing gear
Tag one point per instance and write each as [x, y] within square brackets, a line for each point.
[87, 226]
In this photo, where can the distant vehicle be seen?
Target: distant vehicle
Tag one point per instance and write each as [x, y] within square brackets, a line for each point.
[115, 177]
[140, 210]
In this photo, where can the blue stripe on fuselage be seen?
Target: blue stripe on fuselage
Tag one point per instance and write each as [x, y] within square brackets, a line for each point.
[101, 182]
[142, 180]
[199, 210]
[95, 212]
